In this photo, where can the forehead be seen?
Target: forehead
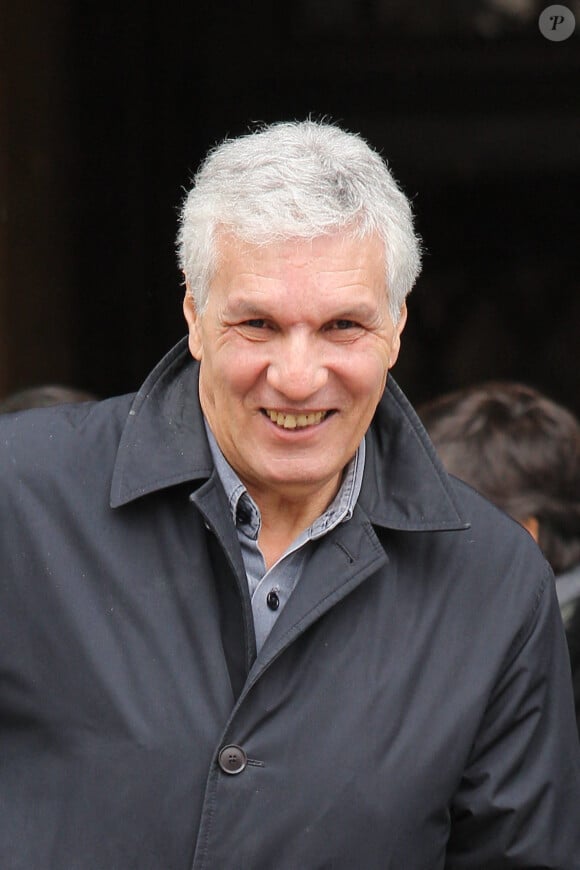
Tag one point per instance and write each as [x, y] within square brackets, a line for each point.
[326, 264]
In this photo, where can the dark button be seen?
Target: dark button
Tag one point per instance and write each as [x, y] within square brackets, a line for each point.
[272, 600]
[232, 759]
[243, 513]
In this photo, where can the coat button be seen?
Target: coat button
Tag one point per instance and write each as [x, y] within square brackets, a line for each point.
[272, 600]
[232, 759]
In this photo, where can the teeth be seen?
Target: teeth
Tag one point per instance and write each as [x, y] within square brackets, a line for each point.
[296, 421]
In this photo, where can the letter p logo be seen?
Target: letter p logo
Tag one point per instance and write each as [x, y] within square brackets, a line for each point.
[557, 23]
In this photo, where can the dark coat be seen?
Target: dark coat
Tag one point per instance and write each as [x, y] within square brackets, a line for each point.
[410, 710]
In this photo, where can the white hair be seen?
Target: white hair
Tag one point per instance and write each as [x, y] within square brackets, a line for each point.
[296, 180]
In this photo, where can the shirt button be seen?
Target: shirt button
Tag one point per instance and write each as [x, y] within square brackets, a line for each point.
[272, 600]
[232, 759]
[243, 514]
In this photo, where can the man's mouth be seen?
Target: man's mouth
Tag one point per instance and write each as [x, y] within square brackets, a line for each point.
[296, 421]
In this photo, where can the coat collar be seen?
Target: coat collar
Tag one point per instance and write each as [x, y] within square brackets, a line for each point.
[163, 443]
[405, 485]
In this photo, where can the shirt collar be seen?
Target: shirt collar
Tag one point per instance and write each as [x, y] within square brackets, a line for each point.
[246, 514]
[244, 510]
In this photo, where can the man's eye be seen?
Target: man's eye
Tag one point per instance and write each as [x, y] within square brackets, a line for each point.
[257, 323]
[344, 324]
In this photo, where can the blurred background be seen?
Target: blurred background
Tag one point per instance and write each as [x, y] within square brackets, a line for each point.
[106, 110]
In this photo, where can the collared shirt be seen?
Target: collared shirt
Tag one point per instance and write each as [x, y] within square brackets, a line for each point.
[270, 589]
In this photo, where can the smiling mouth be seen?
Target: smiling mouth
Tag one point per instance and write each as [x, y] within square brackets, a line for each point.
[296, 421]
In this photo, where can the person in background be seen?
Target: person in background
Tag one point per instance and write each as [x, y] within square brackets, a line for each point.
[259, 625]
[521, 450]
[43, 396]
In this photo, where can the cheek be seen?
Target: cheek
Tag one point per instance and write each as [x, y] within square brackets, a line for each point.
[235, 372]
[365, 378]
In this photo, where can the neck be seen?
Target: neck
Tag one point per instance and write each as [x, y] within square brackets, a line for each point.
[294, 511]
[284, 517]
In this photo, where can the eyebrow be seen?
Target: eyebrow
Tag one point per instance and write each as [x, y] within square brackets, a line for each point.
[252, 311]
[243, 308]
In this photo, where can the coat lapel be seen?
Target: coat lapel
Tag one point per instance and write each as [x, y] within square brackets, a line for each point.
[210, 499]
[341, 561]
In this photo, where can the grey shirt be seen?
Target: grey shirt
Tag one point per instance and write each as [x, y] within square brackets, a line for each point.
[270, 589]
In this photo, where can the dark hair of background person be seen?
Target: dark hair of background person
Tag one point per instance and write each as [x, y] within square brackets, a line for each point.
[43, 397]
[521, 450]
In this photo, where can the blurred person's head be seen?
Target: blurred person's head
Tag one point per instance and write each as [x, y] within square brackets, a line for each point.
[521, 450]
[43, 396]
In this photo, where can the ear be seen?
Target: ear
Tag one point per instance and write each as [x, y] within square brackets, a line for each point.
[396, 343]
[532, 525]
[193, 323]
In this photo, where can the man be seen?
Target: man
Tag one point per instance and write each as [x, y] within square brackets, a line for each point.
[521, 450]
[246, 619]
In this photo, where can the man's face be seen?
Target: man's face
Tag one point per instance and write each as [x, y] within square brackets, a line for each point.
[295, 344]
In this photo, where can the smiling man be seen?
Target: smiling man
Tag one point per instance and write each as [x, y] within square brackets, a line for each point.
[246, 618]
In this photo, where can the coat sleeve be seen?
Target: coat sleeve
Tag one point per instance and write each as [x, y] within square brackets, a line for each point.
[518, 803]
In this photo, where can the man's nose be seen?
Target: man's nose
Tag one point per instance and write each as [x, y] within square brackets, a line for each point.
[296, 369]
